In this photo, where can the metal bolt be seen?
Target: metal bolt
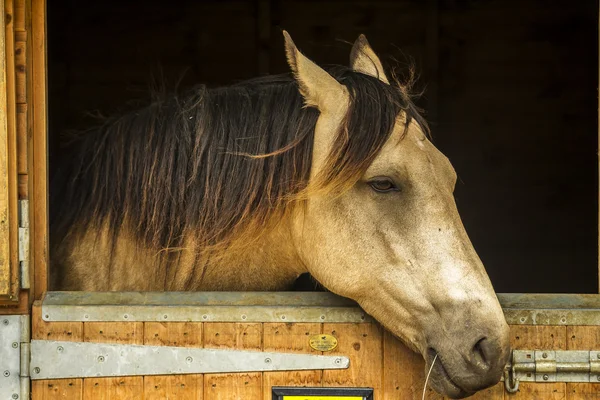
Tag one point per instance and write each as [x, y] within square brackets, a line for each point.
[125, 316]
[545, 355]
[205, 316]
[15, 345]
[36, 370]
[189, 359]
[283, 317]
[5, 322]
[522, 319]
[165, 316]
[59, 349]
[338, 361]
[15, 396]
[244, 316]
[86, 316]
[546, 377]
[46, 316]
[563, 320]
[6, 374]
[100, 358]
[268, 360]
[322, 317]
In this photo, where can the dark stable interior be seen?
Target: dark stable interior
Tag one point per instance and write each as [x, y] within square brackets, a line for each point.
[510, 93]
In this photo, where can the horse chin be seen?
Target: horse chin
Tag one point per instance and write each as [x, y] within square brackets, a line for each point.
[441, 382]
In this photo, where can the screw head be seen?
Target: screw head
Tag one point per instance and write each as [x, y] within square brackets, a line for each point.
[189, 359]
[598, 355]
[59, 349]
[165, 316]
[15, 345]
[100, 358]
[15, 396]
[598, 377]
[546, 377]
[267, 360]
[545, 355]
[5, 322]
[36, 370]
[6, 374]
[338, 361]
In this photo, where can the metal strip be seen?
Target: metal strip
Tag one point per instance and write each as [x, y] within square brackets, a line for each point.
[551, 309]
[201, 307]
[10, 355]
[519, 309]
[56, 360]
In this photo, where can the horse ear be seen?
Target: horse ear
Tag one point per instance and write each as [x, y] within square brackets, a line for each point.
[363, 59]
[319, 89]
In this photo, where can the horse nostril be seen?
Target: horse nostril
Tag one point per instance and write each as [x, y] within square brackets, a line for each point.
[483, 353]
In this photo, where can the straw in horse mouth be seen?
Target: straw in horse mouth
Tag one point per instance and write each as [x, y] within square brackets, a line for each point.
[442, 372]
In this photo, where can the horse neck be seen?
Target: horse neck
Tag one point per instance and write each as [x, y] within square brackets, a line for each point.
[272, 263]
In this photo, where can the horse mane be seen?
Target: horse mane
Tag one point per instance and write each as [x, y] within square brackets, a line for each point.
[219, 165]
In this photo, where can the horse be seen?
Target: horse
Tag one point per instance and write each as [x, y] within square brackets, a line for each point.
[328, 171]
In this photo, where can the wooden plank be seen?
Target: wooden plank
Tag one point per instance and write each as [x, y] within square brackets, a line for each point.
[242, 386]
[21, 309]
[20, 15]
[290, 338]
[186, 334]
[22, 139]
[583, 338]
[23, 186]
[403, 372]
[538, 337]
[20, 60]
[4, 226]
[118, 387]
[50, 389]
[39, 172]
[363, 344]
[9, 270]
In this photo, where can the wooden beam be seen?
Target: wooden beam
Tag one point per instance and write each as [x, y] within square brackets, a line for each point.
[39, 173]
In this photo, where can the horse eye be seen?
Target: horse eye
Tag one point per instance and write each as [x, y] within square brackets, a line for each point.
[383, 185]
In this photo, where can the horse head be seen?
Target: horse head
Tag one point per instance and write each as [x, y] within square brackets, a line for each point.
[392, 238]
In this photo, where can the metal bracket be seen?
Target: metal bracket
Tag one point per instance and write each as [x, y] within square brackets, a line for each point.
[14, 338]
[552, 366]
[55, 360]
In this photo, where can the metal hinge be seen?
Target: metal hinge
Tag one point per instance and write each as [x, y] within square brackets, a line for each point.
[55, 359]
[24, 243]
[14, 357]
[551, 366]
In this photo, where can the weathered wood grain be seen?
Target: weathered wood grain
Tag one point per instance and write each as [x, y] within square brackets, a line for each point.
[363, 344]
[117, 387]
[185, 387]
[242, 386]
[403, 372]
[54, 389]
[290, 338]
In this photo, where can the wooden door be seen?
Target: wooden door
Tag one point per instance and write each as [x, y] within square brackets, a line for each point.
[23, 159]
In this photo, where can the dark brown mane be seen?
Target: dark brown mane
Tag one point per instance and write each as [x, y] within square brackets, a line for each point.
[180, 167]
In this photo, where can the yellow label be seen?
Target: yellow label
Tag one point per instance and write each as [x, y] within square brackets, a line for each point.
[324, 342]
[319, 397]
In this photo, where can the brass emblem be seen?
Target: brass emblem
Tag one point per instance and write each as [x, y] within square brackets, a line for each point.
[323, 342]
